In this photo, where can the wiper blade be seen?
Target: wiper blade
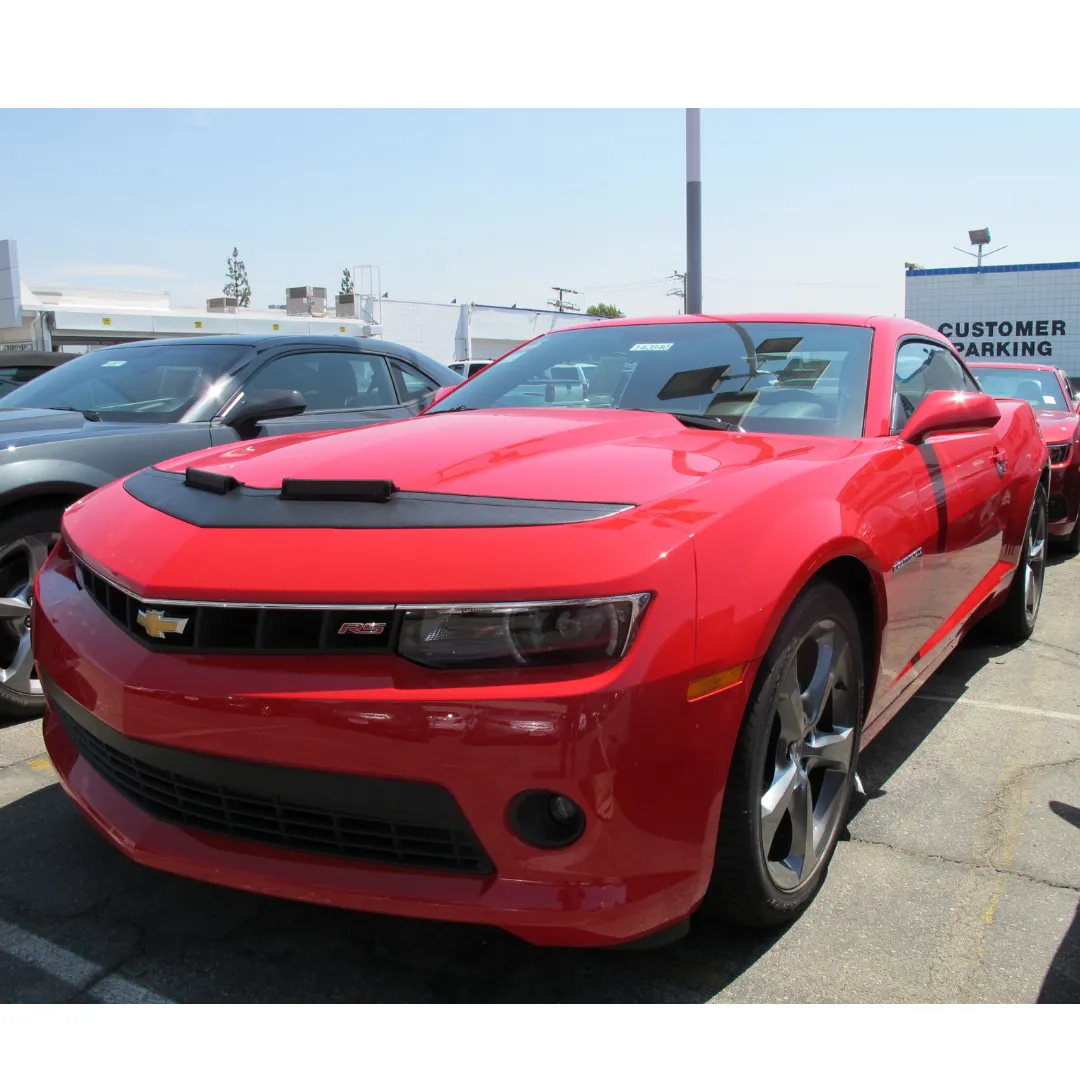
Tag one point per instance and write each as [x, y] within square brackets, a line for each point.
[710, 423]
[456, 408]
[90, 414]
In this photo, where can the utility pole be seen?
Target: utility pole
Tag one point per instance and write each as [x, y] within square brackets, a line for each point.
[561, 304]
[679, 289]
[693, 211]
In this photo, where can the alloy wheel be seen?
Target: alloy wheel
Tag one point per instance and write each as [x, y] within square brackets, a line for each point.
[1035, 565]
[809, 758]
[19, 563]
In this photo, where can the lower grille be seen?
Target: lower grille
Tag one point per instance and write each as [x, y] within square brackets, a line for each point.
[444, 842]
[1056, 509]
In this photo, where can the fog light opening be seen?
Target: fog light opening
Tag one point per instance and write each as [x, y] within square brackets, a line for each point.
[546, 819]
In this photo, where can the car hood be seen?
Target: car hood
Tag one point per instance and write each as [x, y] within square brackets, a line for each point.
[551, 454]
[506, 463]
[26, 427]
[1057, 426]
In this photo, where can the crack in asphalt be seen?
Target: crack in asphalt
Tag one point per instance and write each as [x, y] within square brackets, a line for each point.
[971, 865]
[1051, 645]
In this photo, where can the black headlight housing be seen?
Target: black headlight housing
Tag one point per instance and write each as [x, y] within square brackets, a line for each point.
[528, 634]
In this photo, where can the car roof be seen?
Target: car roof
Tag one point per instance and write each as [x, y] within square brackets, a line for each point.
[33, 358]
[1032, 367]
[901, 326]
[250, 340]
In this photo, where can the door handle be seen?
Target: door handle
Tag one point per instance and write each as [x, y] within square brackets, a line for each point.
[1000, 459]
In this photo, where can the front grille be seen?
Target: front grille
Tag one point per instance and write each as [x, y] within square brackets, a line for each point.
[210, 628]
[1059, 452]
[380, 835]
[1055, 508]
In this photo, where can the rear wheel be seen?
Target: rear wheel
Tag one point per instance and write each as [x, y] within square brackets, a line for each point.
[793, 767]
[25, 542]
[1015, 620]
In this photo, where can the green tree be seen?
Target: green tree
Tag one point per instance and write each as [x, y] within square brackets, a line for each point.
[346, 282]
[236, 280]
[609, 311]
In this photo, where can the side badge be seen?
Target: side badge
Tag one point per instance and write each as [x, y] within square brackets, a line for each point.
[916, 554]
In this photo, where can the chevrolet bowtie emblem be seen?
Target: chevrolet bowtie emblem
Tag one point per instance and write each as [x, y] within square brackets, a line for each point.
[157, 624]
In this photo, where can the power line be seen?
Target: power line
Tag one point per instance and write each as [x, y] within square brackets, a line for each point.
[649, 283]
[561, 304]
[679, 289]
[816, 284]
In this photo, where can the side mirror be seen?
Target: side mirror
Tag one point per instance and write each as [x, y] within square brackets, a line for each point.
[945, 411]
[438, 396]
[261, 405]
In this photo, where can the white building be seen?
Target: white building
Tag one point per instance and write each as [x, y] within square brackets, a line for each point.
[1027, 313]
[74, 319]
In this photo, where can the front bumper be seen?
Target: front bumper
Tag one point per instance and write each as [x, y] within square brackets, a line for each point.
[647, 767]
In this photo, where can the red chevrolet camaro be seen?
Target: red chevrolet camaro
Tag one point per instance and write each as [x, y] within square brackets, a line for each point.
[687, 584]
[1048, 392]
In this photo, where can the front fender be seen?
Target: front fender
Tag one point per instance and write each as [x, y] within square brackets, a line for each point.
[742, 604]
[43, 478]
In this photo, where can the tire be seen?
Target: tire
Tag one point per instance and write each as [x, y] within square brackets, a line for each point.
[816, 662]
[25, 541]
[1015, 620]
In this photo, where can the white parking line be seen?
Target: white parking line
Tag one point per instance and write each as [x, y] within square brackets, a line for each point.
[1024, 709]
[74, 970]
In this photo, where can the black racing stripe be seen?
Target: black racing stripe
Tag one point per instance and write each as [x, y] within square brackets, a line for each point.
[245, 507]
[937, 482]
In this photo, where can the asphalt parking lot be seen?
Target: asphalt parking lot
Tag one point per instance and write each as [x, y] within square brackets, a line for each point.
[958, 881]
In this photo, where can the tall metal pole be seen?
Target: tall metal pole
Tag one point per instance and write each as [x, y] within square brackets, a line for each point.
[693, 212]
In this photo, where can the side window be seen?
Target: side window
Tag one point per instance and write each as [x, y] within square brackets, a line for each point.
[922, 367]
[329, 380]
[411, 384]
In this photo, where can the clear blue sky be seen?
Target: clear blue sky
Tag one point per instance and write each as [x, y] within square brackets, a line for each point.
[806, 210]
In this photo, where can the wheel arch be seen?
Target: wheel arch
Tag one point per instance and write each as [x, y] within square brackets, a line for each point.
[867, 597]
[60, 493]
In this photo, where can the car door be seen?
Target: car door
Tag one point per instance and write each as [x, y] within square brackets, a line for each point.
[961, 484]
[343, 388]
[414, 389]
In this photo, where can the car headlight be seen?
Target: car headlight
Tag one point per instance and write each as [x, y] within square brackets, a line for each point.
[513, 635]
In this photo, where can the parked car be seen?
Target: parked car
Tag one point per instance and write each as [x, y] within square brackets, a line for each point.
[1047, 390]
[468, 368]
[671, 621]
[17, 368]
[118, 409]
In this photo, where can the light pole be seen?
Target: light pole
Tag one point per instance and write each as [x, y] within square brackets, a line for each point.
[693, 211]
[979, 239]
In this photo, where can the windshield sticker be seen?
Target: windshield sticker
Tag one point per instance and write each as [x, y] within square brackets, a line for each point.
[114, 363]
[652, 346]
[1049, 399]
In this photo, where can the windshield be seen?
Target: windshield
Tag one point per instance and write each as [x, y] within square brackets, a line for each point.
[804, 378]
[1040, 388]
[154, 384]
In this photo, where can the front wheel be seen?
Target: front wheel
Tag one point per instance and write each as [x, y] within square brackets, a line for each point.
[25, 542]
[793, 767]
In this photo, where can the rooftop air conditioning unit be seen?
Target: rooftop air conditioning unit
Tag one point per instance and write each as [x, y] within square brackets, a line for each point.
[345, 306]
[305, 300]
[223, 303]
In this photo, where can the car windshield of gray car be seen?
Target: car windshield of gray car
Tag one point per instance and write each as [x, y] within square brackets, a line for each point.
[803, 378]
[1040, 388]
[155, 384]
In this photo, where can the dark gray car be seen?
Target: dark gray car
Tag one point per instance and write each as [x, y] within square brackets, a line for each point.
[116, 410]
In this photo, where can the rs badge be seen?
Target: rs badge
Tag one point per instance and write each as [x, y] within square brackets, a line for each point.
[157, 624]
[361, 628]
